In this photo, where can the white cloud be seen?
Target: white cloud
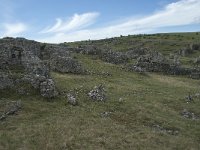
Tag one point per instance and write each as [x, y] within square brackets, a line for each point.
[14, 29]
[74, 23]
[183, 12]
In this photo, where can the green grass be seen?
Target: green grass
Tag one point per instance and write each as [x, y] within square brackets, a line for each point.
[147, 100]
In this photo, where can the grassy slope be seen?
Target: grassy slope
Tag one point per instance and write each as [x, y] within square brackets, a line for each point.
[164, 43]
[148, 99]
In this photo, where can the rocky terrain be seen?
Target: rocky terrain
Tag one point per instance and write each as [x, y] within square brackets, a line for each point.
[35, 61]
[138, 91]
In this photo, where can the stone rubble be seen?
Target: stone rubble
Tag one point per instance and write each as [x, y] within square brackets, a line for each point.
[98, 93]
[11, 109]
[189, 115]
[161, 129]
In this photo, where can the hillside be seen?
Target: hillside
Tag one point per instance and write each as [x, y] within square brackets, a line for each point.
[147, 93]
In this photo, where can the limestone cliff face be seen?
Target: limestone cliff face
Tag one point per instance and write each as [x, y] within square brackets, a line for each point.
[37, 59]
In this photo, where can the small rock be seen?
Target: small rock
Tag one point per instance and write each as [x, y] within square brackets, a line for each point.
[98, 93]
[189, 98]
[189, 115]
[105, 114]
[11, 109]
[121, 100]
[72, 100]
[161, 129]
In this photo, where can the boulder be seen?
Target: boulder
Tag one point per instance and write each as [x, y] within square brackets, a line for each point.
[48, 89]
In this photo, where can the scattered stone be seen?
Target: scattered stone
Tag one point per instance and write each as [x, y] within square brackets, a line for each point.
[98, 93]
[189, 98]
[2, 117]
[11, 109]
[197, 95]
[133, 67]
[105, 74]
[72, 99]
[161, 129]
[189, 115]
[121, 100]
[105, 114]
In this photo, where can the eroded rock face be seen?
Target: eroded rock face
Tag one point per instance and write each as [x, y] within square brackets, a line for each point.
[185, 51]
[156, 62]
[114, 57]
[5, 81]
[195, 46]
[67, 65]
[135, 53]
[30, 55]
[153, 62]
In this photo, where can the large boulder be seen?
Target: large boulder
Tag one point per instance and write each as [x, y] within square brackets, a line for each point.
[46, 86]
[48, 89]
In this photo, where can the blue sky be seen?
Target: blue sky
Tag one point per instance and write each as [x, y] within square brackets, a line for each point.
[58, 21]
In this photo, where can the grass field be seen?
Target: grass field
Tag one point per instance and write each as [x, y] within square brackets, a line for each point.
[135, 102]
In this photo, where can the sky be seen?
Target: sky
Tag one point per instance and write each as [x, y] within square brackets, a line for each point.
[57, 21]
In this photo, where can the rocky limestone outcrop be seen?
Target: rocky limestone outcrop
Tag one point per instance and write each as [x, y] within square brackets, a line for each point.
[135, 53]
[66, 65]
[156, 62]
[114, 57]
[5, 81]
[37, 59]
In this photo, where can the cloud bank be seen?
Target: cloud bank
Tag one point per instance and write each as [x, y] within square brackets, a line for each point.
[14, 29]
[74, 23]
[83, 26]
[183, 12]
